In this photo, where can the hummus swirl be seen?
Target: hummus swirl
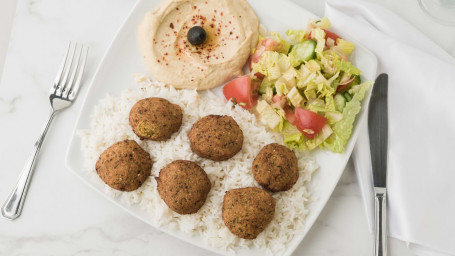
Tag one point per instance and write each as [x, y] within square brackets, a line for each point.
[232, 32]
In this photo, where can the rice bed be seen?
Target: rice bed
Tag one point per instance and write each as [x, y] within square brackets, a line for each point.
[110, 124]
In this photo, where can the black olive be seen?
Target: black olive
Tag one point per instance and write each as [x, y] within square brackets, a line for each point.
[196, 35]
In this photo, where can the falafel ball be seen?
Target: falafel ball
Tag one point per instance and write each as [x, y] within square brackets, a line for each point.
[124, 166]
[183, 185]
[216, 137]
[155, 118]
[248, 211]
[275, 168]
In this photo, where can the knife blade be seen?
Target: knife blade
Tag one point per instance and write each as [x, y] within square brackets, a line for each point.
[378, 129]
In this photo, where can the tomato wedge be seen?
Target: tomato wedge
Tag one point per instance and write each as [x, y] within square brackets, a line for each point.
[240, 91]
[259, 76]
[332, 35]
[308, 122]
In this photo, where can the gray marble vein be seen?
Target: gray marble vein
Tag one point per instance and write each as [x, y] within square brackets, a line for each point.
[8, 106]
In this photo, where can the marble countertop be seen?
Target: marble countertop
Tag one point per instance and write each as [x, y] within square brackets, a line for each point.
[63, 216]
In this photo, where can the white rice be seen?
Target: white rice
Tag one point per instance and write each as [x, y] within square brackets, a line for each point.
[110, 124]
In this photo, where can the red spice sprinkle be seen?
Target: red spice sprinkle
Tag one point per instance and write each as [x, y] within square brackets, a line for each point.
[195, 7]
[202, 69]
[165, 54]
[211, 25]
[158, 61]
[177, 8]
[237, 37]
[221, 13]
[230, 22]
[215, 11]
[171, 25]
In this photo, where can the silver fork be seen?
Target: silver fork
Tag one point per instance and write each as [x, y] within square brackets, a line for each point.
[62, 94]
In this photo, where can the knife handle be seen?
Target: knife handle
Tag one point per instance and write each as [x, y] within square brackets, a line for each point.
[380, 219]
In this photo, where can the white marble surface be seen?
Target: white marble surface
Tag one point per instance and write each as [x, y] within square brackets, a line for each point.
[7, 11]
[62, 216]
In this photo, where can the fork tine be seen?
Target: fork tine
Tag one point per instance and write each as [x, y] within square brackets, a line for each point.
[60, 70]
[66, 71]
[80, 70]
[68, 86]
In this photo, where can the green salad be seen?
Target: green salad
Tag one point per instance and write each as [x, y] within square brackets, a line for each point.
[303, 86]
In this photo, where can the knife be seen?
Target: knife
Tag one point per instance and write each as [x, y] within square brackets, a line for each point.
[378, 132]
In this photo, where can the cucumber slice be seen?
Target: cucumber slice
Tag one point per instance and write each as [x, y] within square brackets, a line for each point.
[347, 96]
[304, 51]
[340, 102]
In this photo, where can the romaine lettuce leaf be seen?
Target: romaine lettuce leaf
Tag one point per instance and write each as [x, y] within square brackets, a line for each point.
[264, 85]
[344, 46]
[328, 59]
[280, 87]
[296, 36]
[283, 45]
[269, 116]
[295, 97]
[342, 130]
[324, 23]
[318, 35]
[293, 138]
[319, 138]
[273, 64]
[347, 67]
[268, 65]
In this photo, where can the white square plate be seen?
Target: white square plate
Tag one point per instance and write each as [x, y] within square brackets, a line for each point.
[123, 59]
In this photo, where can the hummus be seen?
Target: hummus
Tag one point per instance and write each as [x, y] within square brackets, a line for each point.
[232, 32]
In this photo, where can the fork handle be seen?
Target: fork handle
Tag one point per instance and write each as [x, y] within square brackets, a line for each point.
[12, 207]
